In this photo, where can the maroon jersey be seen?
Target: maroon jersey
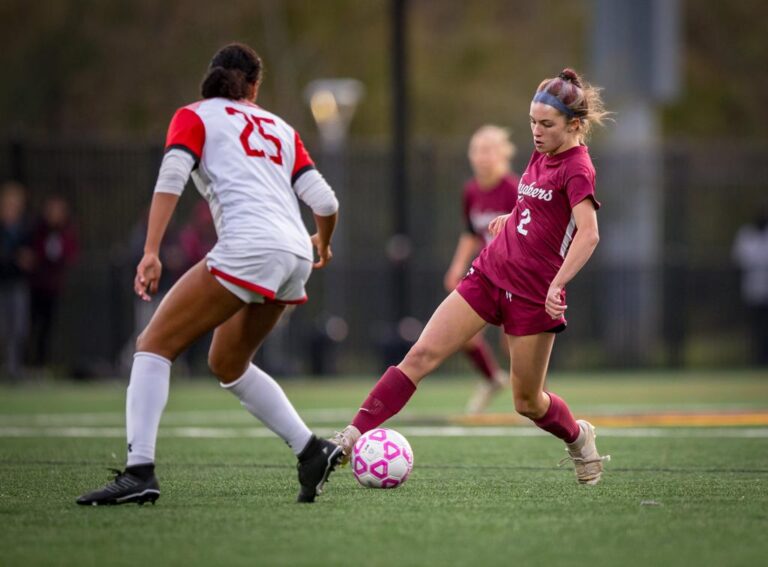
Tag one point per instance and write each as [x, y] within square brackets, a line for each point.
[526, 255]
[482, 206]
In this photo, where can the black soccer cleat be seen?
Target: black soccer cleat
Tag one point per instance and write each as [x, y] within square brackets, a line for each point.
[135, 484]
[316, 462]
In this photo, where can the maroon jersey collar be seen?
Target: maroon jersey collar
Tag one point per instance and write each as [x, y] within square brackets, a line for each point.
[557, 159]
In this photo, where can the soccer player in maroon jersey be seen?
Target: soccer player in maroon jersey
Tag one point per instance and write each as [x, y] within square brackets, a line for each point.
[519, 279]
[490, 193]
[252, 168]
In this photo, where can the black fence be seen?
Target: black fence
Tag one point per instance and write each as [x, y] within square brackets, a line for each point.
[351, 324]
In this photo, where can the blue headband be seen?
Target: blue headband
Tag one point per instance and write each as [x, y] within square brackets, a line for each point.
[554, 102]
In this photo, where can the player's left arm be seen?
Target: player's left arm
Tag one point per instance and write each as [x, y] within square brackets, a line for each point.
[582, 247]
[312, 188]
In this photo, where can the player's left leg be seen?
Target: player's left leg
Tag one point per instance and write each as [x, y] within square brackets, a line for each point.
[530, 359]
[234, 344]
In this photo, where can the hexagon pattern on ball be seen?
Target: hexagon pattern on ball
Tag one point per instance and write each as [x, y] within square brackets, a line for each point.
[382, 458]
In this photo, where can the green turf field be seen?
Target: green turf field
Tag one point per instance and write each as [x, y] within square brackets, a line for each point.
[477, 496]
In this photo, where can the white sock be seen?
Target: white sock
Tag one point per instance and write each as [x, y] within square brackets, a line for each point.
[266, 401]
[144, 404]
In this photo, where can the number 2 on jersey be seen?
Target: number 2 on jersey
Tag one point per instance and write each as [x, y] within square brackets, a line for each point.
[252, 122]
[525, 218]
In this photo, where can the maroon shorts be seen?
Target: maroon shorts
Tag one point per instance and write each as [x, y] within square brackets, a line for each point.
[516, 315]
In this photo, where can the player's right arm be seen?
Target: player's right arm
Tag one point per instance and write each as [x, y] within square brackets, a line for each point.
[183, 150]
[466, 249]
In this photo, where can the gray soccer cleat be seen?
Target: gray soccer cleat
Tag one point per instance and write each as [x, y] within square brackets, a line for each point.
[346, 439]
[586, 460]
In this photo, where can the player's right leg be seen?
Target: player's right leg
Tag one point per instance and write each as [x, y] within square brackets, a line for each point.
[493, 378]
[451, 325]
[196, 304]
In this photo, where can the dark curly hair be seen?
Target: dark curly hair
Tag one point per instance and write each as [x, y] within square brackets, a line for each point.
[233, 72]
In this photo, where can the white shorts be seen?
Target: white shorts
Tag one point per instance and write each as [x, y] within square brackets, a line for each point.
[274, 276]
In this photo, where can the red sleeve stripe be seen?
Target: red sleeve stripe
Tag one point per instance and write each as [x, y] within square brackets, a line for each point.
[186, 132]
[302, 159]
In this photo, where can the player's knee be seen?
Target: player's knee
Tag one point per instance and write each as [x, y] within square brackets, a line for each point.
[224, 368]
[145, 342]
[141, 342]
[528, 405]
[423, 357]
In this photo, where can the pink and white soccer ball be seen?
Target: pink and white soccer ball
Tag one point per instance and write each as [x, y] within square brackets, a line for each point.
[382, 458]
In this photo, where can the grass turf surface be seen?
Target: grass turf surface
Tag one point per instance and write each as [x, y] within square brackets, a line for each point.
[470, 500]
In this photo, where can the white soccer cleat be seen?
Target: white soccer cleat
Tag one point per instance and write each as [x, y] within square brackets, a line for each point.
[485, 392]
[583, 452]
[346, 439]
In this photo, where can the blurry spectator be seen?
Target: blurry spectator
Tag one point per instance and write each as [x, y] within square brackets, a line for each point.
[750, 251]
[174, 265]
[55, 244]
[199, 235]
[16, 261]
[195, 240]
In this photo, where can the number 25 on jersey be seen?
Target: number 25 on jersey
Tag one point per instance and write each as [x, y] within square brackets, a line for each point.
[257, 122]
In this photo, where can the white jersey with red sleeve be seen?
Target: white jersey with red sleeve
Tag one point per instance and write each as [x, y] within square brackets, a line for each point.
[248, 166]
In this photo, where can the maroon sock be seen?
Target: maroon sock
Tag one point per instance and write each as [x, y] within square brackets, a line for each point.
[389, 395]
[558, 420]
[483, 360]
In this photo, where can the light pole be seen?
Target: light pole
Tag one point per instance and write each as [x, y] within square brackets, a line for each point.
[333, 103]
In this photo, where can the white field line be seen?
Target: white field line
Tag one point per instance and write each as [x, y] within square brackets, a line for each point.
[339, 416]
[415, 431]
[233, 416]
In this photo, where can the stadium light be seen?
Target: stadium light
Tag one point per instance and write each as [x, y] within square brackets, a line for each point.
[333, 103]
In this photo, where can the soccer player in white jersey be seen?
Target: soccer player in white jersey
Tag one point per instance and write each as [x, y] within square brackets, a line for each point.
[252, 168]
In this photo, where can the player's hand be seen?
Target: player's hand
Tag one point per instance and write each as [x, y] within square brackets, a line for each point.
[452, 279]
[147, 276]
[497, 224]
[554, 305]
[324, 253]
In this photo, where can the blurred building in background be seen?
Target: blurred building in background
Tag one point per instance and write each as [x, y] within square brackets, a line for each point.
[79, 118]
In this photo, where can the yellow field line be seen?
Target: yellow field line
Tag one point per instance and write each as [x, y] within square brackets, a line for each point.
[698, 419]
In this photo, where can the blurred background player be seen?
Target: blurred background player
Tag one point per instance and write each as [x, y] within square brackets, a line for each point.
[250, 166]
[519, 279]
[750, 252]
[490, 193]
[195, 239]
[174, 264]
